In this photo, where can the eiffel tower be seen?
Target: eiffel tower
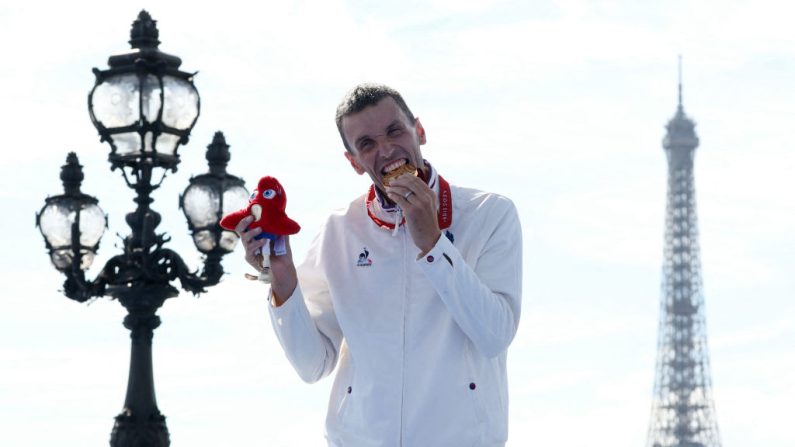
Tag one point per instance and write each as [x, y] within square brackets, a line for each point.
[683, 410]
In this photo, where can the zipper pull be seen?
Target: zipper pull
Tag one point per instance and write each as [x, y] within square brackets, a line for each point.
[398, 218]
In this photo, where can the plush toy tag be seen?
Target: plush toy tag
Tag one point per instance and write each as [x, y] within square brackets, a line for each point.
[279, 246]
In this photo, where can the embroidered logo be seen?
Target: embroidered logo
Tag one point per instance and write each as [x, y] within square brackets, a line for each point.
[364, 259]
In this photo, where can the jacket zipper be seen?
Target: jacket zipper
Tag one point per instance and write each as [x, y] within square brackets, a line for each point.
[403, 362]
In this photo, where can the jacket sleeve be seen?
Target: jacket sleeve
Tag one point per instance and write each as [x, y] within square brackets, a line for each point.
[306, 325]
[485, 298]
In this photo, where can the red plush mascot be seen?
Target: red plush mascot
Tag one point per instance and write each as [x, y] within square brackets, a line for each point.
[267, 204]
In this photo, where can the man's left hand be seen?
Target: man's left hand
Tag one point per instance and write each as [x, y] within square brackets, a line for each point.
[419, 205]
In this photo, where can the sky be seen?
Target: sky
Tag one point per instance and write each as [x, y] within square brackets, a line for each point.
[559, 105]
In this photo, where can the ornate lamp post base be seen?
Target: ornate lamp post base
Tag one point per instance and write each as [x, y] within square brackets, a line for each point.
[141, 424]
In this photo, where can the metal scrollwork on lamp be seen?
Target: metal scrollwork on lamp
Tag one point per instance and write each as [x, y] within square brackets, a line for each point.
[145, 108]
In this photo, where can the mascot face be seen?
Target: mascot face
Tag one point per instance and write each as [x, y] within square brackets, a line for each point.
[269, 198]
[267, 204]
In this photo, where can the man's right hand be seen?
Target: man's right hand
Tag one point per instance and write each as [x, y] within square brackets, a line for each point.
[284, 279]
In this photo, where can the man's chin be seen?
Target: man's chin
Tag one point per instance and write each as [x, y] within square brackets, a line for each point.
[381, 189]
[382, 192]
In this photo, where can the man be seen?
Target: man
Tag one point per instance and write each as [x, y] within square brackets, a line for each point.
[413, 292]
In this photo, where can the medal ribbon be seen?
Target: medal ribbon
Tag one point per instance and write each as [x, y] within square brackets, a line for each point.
[444, 215]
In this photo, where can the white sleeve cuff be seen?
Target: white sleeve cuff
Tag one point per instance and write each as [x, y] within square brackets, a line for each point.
[443, 252]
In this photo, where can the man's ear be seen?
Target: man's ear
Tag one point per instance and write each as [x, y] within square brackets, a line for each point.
[420, 130]
[356, 167]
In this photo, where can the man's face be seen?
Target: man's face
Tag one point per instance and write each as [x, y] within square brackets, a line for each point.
[382, 138]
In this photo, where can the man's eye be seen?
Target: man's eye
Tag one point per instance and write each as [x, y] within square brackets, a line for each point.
[366, 145]
[395, 132]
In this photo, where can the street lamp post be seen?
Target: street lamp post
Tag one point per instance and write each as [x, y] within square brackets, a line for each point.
[145, 108]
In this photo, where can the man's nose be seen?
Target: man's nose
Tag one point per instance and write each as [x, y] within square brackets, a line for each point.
[385, 147]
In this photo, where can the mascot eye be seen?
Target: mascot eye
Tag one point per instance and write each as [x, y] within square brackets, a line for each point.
[253, 195]
[269, 194]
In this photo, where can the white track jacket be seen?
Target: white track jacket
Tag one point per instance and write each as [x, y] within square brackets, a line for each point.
[420, 344]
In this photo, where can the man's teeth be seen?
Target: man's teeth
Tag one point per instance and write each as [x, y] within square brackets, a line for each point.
[394, 165]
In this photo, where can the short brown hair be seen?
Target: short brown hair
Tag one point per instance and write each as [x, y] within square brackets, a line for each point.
[365, 95]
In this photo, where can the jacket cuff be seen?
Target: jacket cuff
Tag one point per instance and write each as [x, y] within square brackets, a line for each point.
[442, 253]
